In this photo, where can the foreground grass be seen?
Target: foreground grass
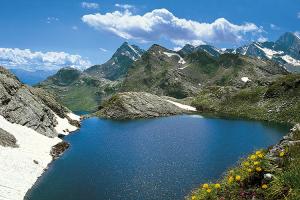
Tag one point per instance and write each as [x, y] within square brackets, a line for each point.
[265, 174]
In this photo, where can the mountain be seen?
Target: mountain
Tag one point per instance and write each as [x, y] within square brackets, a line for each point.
[164, 72]
[284, 51]
[32, 77]
[78, 90]
[211, 50]
[118, 65]
[30, 123]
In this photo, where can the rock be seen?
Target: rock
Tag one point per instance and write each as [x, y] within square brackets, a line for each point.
[7, 140]
[58, 149]
[268, 176]
[132, 105]
[28, 106]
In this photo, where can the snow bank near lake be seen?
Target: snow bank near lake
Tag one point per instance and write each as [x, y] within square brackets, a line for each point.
[20, 167]
[183, 106]
[63, 126]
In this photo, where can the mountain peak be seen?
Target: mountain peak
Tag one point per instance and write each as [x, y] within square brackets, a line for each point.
[131, 51]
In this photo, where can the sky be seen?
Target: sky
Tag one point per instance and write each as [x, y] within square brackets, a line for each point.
[49, 34]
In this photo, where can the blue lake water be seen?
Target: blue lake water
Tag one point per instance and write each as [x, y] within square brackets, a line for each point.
[154, 159]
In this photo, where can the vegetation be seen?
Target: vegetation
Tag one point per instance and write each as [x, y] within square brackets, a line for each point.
[268, 175]
[279, 101]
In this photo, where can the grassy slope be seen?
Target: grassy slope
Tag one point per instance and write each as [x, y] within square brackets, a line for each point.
[279, 102]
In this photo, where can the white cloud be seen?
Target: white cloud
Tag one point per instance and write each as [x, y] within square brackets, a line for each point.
[29, 60]
[104, 50]
[274, 27]
[160, 23]
[89, 5]
[125, 6]
[49, 20]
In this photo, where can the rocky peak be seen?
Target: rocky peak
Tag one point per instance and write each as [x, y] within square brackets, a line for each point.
[133, 52]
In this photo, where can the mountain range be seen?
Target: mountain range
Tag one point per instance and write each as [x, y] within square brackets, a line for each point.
[174, 73]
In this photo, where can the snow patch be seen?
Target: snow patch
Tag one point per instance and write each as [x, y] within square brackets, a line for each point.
[185, 107]
[181, 60]
[135, 51]
[18, 170]
[245, 79]
[269, 52]
[63, 126]
[291, 60]
[73, 116]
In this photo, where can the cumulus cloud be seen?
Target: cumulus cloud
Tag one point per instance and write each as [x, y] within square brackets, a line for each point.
[160, 23]
[125, 6]
[15, 58]
[89, 5]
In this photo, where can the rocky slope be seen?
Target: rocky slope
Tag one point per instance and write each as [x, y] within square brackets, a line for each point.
[277, 101]
[132, 105]
[164, 72]
[30, 122]
[118, 65]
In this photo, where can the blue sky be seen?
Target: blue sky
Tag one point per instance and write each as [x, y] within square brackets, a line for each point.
[73, 27]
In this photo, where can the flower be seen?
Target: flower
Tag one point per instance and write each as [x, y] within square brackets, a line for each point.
[230, 179]
[208, 190]
[281, 154]
[264, 186]
[260, 155]
[258, 152]
[246, 164]
[249, 170]
[253, 157]
[256, 163]
[205, 186]
[193, 197]
[217, 186]
[258, 169]
[237, 178]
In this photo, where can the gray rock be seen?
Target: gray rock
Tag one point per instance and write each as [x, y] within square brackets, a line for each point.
[132, 105]
[7, 140]
[28, 106]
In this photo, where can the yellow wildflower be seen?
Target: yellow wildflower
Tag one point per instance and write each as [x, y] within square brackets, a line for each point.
[249, 170]
[281, 154]
[253, 157]
[264, 186]
[217, 186]
[237, 178]
[258, 169]
[260, 155]
[193, 197]
[246, 164]
[205, 186]
[258, 152]
[256, 163]
[230, 179]
[208, 190]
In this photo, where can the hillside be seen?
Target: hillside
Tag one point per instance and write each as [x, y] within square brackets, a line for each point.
[78, 90]
[30, 123]
[279, 101]
[164, 72]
